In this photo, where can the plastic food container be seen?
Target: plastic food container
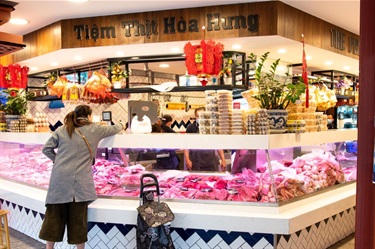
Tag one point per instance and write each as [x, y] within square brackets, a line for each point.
[212, 108]
[211, 100]
[210, 93]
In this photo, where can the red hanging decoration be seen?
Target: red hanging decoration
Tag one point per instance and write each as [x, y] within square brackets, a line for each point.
[2, 80]
[13, 76]
[204, 59]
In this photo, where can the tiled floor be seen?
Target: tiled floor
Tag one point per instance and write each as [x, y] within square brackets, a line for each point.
[21, 241]
[347, 243]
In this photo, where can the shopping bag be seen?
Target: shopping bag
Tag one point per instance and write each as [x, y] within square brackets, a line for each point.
[153, 237]
[153, 220]
[155, 213]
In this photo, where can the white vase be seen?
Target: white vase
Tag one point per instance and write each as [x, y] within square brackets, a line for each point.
[117, 84]
[277, 120]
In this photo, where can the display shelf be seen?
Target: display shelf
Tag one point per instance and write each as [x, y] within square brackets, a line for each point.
[178, 89]
[46, 98]
[190, 141]
[345, 97]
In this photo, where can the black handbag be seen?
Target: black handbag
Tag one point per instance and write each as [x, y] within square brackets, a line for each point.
[153, 221]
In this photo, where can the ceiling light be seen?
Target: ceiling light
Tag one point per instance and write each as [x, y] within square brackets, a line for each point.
[164, 65]
[236, 46]
[19, 21]
[280, 68]
[346, 68]
[328, 63]
[281, 51]
[308, 57]
[120, 53]
[33, 68]
[175, 50]
[78, 58]
[54, 64]
[78, 1]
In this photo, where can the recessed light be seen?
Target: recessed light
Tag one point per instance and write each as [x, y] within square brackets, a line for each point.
[164, 65]
[346, 68]
[308, 57]
[280, 68]
[281, 51]
[328, 63]
[120, 53]
[236, 46]
[78, 57]
[54, 64]
[175, 50]
[78, 1]
[19, 21]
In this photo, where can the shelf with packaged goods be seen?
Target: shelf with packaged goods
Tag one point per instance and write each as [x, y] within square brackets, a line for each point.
[197, 141]
[345, 97]
[46, 98]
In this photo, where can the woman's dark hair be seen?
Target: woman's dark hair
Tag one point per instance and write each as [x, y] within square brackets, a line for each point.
[77, 118]
[156, 128]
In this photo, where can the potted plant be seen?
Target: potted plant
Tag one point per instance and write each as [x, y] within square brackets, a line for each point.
[118, 75]
[275, 92]
[16, 101]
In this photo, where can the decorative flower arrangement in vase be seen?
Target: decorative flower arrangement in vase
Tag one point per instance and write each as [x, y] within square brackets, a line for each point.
[229, 61]
[343, 84]
[275, 93]
[118, 75]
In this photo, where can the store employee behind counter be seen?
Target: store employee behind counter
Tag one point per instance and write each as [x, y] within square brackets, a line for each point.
[165, 159]
[203, 160]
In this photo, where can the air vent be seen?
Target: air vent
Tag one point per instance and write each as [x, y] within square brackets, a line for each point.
[8, 47]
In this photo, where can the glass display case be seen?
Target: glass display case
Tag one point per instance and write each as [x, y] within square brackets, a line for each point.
[260, 169]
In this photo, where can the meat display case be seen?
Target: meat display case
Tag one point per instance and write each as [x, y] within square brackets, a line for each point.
[202, 223]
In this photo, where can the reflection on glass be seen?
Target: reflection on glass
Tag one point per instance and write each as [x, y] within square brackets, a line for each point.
[294, 171]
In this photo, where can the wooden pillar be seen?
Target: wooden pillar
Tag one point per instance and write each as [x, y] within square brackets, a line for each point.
[365, 210]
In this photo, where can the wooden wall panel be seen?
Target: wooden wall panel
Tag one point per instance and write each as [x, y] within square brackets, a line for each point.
[274, 18]
[198, 16]
[5, 60]
[43, 41]
[293, 22]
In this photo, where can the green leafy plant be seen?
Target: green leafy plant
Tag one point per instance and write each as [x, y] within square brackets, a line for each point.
[16, 103]
[275, 92]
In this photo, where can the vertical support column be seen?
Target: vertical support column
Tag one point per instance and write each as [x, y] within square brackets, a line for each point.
[365, 216]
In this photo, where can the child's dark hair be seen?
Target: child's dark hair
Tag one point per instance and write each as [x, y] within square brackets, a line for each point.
[77, 118]
[198, 109]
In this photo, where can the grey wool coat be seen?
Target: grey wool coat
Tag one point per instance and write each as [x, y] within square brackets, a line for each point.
[71, 176]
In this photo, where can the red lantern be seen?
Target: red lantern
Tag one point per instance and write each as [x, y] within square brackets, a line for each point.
[204, 59]
[13, 76]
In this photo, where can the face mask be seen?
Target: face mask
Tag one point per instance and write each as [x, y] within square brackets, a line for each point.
[197, 120]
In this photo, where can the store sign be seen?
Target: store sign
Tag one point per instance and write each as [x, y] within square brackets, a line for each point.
[338, 41]
[170, 25]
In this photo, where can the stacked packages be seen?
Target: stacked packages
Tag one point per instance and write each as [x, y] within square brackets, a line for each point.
[225, 111]
[257, 122]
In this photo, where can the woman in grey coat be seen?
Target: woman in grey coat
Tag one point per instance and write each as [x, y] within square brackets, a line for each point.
[71, 187]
